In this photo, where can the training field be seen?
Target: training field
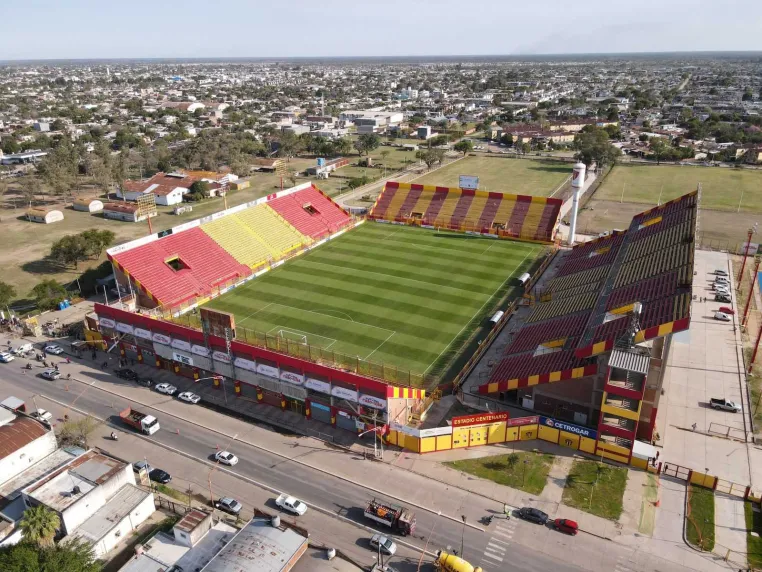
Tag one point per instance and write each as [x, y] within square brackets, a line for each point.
[721, 188]
[504, 175]
[393, 295]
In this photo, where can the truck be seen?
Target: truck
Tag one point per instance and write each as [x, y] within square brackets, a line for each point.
[724, 404]
[447, 562]
[144, 423]
[397, 518]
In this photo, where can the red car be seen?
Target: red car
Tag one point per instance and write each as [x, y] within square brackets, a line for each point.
[726, 310]
[566, 525]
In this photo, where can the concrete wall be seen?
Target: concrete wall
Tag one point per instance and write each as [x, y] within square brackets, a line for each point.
[124, 477]
[83, 509]
[125, 526]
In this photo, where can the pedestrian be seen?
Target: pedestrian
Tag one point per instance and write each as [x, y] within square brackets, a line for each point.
[694, 426]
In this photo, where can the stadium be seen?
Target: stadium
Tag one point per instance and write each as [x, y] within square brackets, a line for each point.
[363, 321]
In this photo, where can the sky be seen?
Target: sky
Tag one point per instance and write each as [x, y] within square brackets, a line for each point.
[68, 29]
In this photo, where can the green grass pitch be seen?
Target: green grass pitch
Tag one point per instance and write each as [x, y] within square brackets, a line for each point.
[396, 295]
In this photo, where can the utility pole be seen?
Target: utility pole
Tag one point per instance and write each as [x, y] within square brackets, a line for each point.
[752, 230]
[751, 291]
[756, 347]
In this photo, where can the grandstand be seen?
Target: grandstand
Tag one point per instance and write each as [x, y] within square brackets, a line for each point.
[490, 213]
[607, 295]
[189, 264]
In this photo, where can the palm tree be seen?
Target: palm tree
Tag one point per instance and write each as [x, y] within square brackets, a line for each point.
[39, 525]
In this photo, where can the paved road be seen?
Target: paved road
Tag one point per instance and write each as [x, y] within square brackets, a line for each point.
[182, 446]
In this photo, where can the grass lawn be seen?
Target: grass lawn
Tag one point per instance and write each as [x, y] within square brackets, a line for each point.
[722, 188]
[601, 498]
[753, 543]
[403, 297]
[699, 530]
[506, 175]
[525, 471]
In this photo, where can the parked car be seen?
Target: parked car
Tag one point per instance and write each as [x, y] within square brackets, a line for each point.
[189, 397]
[51, 374]
[533, 515]
[228, 505]
[226, 458]
[725, 298]
[566, 525]
[724, 405]
[386, 544]
[721, 317]
[166, 389]
[42, 415]
[727, 310]
[291, 504]
[126, 373]
[5, 357]
[159, 476]
[53, 349]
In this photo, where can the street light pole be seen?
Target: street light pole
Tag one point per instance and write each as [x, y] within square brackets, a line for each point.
[426, 546]
[751, 291]
[752, 230]
[462, 534]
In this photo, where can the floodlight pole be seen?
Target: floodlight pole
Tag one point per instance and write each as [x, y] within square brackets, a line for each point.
[746, 254]
[751, 291]
[756, 347]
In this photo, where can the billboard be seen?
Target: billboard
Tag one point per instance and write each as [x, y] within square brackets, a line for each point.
[480, 419]
[468, 182]
[216, 322]
[569, 427]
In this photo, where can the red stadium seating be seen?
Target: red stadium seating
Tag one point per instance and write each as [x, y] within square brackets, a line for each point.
[327, 217]
[200, 265]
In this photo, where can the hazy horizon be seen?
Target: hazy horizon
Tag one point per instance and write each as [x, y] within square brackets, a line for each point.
[241, 29]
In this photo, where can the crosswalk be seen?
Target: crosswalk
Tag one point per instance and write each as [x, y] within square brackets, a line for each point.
[498, 545]
[622, 565]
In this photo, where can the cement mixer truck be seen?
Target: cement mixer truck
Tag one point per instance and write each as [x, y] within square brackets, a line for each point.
[447, 562]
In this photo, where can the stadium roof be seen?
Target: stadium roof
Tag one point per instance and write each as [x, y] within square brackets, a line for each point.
[588, 307]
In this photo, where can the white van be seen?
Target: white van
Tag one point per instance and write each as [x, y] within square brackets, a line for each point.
[23, 348]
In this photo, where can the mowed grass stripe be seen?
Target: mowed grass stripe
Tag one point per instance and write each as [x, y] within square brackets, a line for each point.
[473, 266]
[366, 295]
[456, 281]
[426, 297]
[342, 274]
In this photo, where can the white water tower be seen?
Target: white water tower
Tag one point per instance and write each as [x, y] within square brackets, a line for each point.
[577, 182]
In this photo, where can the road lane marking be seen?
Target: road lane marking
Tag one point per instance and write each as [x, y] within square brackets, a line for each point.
[282, 456]
[249, 480]
[492, 556]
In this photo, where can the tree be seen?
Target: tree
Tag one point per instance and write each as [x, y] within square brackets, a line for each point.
[70, 249]
[465, 146]
[368, 142]
[7, 293]
[59, 168]
[48, 294]
[384, 155]
[97, 240]
[39, 525]
[78, 431]
[291, 175]
[593, 147]
[74, 556]
[428, 156]
[342, 146]
[658, 148]
[199, 187]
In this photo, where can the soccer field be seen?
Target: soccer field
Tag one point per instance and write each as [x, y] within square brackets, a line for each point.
[392, 295]
[504, 175]
[721, 188]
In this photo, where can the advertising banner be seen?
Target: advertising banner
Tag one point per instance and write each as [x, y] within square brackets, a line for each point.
[569, 428]
[480, 419]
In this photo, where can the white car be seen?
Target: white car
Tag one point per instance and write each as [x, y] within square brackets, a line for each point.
[291, 504]
[53, 349]
[166, 388]
[721, 316]
[226, 458]
[5, 357]
[386, 545]
[42, 415]
[189, 396]
[51, 374]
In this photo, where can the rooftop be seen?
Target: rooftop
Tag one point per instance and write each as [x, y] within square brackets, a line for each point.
[162, 551]
[109, 515]
[12, 488]
[17, 431]
[259, 547]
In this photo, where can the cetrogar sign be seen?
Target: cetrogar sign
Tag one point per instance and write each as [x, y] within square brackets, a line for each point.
[568, 427]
